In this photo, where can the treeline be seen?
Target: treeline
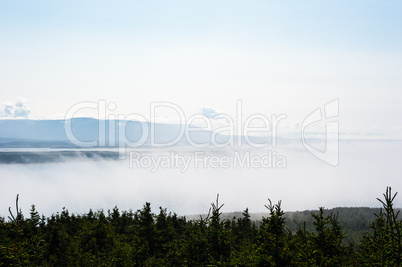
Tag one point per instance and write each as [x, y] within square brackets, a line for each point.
[144, 238]
[355, 221]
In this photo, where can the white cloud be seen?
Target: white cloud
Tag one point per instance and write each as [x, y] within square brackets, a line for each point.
[19, 109]
[211, 113]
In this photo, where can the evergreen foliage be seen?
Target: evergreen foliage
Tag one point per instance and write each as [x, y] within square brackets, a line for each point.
[143, 238]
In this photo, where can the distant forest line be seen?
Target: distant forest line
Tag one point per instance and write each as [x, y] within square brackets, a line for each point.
[354, 220]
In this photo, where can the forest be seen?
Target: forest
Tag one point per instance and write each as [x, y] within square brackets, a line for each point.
[144, 238]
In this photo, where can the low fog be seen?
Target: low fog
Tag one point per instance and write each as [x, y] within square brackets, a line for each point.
[365, 169]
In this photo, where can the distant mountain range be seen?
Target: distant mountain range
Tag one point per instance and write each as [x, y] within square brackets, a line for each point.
[88, 132]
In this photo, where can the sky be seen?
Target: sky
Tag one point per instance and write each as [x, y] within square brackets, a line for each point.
[277, 57]
[205, 57]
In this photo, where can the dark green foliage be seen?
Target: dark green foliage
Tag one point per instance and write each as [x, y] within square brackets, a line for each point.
[127, 238]
[273, 247]
[355, 221]
[383, 247]
[325, 243]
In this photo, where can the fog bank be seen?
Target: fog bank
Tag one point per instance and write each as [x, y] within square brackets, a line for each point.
[365, 169]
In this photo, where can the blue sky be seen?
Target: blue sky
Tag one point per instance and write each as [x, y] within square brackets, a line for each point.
[276, 56]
